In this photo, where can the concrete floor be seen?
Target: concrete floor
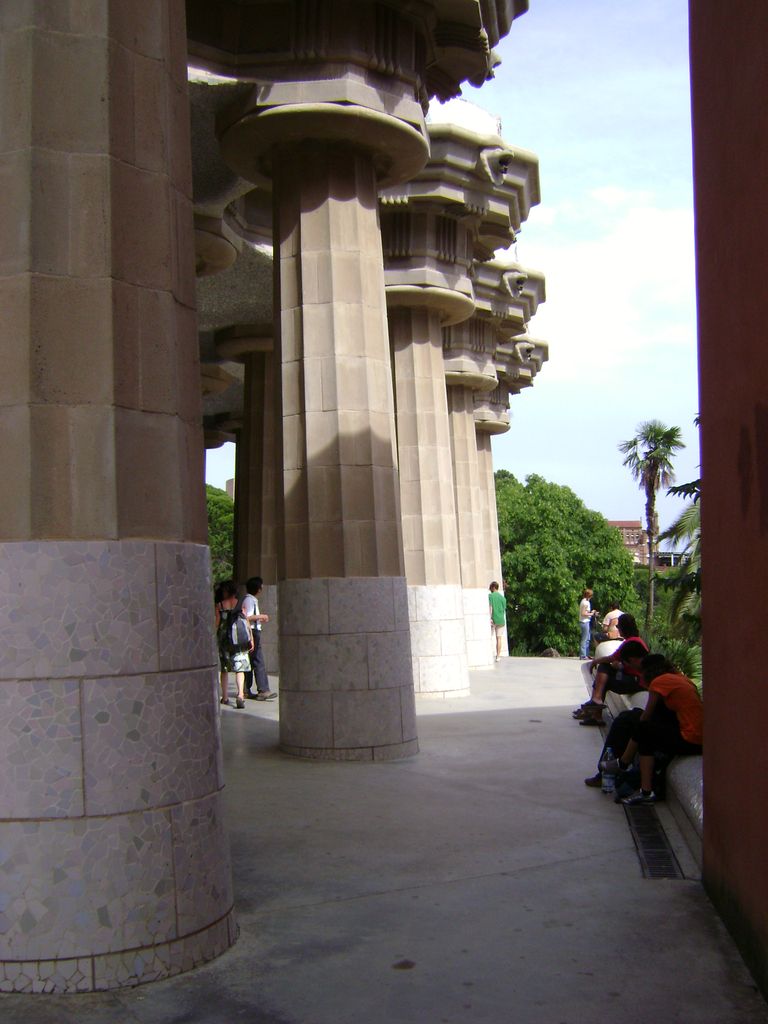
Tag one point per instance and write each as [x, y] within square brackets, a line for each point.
[479, 881]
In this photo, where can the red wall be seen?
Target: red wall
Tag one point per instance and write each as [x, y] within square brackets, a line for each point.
[729, 75]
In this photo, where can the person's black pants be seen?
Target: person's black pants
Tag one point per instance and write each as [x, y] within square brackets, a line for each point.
[258, 666]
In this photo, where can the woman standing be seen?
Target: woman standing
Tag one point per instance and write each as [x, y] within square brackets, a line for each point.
[233, 656]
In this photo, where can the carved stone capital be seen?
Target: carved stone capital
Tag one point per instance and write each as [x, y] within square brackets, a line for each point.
[491, 413]
[215, 249]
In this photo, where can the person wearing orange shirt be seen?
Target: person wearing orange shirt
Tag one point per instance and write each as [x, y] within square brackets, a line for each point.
[678, 733]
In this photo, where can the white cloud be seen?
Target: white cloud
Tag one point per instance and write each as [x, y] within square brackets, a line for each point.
[619, 287]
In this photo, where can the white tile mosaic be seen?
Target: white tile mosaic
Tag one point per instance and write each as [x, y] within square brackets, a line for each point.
[139, 966]
[98, 608]
[201, 863]
[71, 608]
[72, 975]
[185, 606]
[42, 774]
[89, 885]
[136, 966]
[149, 741]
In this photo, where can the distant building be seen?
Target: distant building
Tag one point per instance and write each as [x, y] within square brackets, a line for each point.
[635, 538]
[229, 487]
[636, 542]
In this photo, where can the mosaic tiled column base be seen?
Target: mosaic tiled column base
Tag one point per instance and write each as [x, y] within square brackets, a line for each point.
[481, 643]
[120, 970]
[438, 642]
[114, 853]
[346, 685]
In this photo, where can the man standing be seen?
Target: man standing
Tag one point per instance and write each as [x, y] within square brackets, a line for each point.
[256, 618]
[498, 608]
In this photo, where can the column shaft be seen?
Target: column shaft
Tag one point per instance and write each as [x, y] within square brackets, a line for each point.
[346, 677]
[470, 526]
[114, 845]
[428, 504]
[255, 492]
[256, 550]
[490, 515]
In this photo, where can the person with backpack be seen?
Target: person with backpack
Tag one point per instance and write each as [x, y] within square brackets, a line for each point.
[234, 639]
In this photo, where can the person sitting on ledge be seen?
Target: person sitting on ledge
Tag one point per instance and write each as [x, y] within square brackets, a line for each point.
[678, 733]
[619, 672]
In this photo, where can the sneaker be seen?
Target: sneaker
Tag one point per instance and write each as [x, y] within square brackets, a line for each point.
[640, 797]
[250, 695]
[594, 781]
[266, 695]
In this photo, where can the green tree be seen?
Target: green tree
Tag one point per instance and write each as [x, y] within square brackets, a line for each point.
[221, 527]
[648, 455]
[552, 548]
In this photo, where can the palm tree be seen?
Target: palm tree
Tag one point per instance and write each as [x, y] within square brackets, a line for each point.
[685, 580]
[649, 457]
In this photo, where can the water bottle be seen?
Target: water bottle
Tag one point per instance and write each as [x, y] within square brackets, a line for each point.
[608, 782]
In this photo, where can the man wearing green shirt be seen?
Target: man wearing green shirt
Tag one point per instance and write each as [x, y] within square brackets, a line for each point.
[498, 607]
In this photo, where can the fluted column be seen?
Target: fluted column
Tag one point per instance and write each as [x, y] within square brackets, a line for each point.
[430, 537]
[113, 843]
[470, 370]
[469, 516]
[346, 682]
[346, 679]
[256, 469]
[491, 544]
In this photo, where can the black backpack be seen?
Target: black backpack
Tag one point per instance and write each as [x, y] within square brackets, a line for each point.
[237, 631]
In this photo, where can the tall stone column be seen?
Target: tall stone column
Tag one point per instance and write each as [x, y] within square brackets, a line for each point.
[427, 255]
[469, 516]
[330, 128]
[467, 201]
[256, 470]
[114, 850]
[430, 536]
[469, 370]
[491, 417]
[346, 685]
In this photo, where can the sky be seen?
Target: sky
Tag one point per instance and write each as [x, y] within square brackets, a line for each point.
[599, 91]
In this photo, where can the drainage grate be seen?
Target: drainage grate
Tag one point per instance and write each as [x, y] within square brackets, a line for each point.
[657, 858]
